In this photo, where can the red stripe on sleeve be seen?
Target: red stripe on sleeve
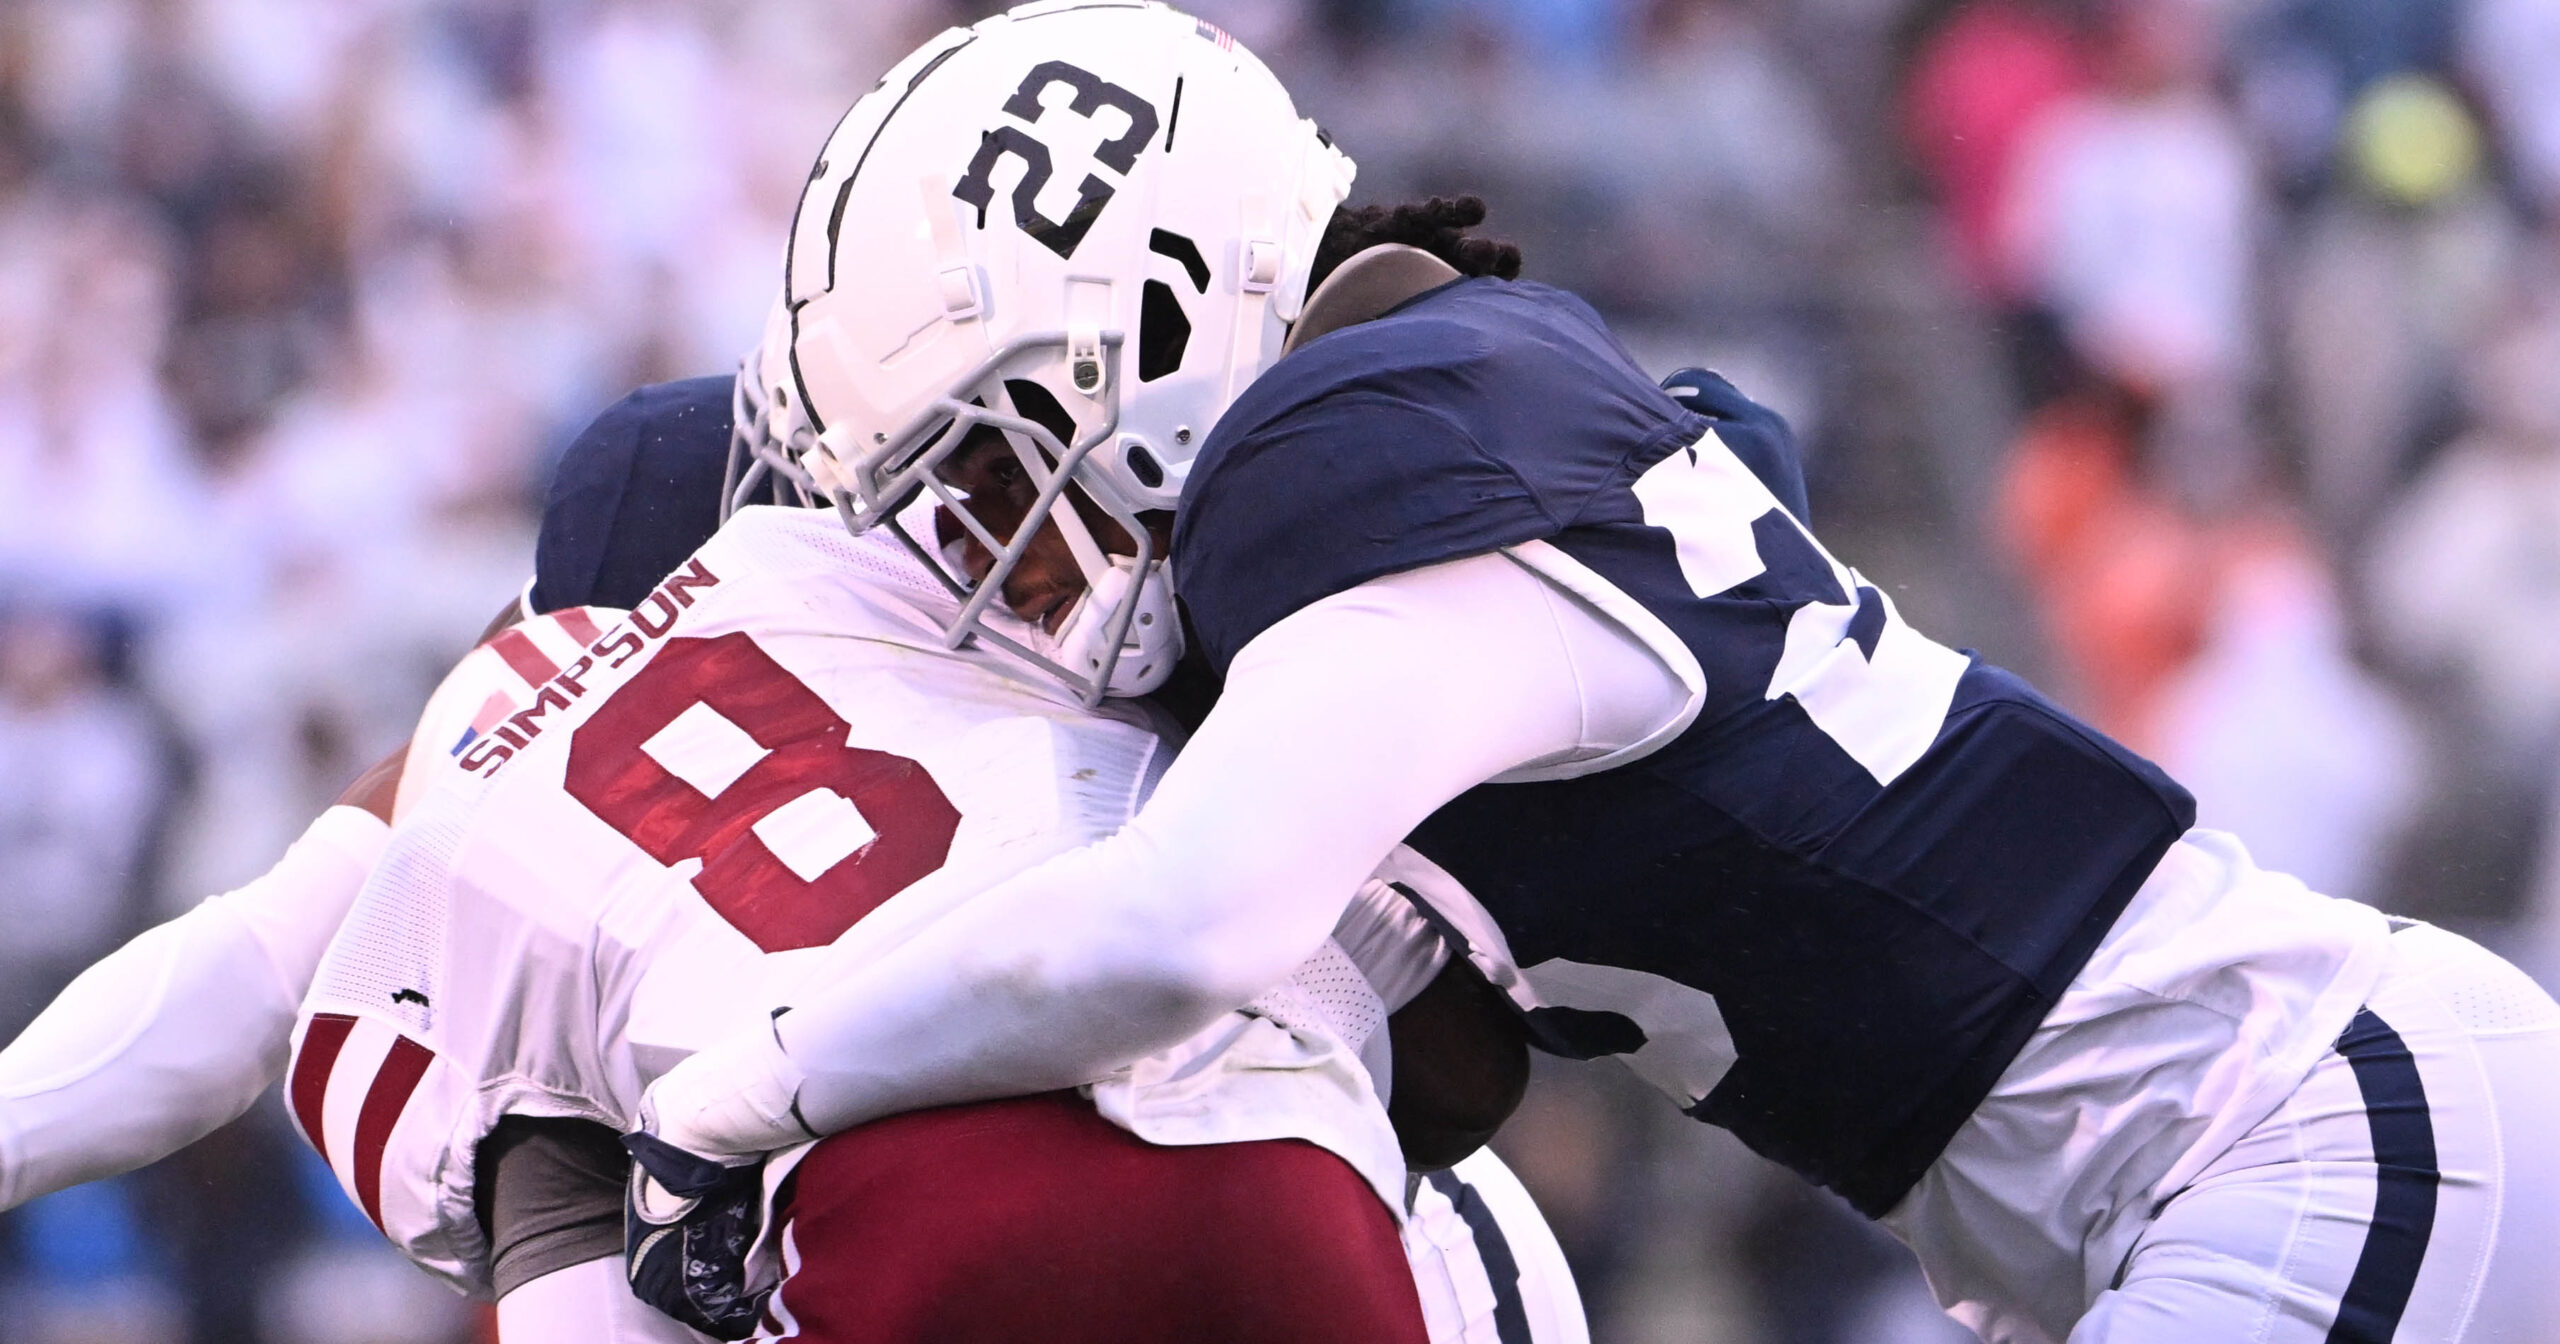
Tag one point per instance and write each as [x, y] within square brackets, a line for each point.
[524, 656]
[579, 624]
[310, 1087]
[401, 1070]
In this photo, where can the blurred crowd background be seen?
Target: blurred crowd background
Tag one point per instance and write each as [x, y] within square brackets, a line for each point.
[2200, 358]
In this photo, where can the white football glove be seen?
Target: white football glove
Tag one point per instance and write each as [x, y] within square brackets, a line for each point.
[730, 1103]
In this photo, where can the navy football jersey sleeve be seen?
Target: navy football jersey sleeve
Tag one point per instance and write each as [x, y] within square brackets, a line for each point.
[1413, 439]
[1356, 445]
[637, 491]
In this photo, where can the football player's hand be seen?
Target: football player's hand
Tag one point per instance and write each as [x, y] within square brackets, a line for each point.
[688, 1223]
[735, 1100]
[1756, 434]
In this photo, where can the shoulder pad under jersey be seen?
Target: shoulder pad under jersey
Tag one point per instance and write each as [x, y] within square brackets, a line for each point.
[635, 493]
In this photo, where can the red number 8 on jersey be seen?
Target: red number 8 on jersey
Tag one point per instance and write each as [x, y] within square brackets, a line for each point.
[714, 752]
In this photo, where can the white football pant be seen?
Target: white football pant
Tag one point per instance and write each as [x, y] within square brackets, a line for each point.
[2409, 1190]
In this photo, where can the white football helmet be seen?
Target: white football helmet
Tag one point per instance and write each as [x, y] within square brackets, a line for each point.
[1110, 202]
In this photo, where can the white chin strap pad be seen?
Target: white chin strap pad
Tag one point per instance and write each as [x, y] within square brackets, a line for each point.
[1154, 642]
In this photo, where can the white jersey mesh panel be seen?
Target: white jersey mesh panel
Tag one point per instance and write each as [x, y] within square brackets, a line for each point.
[2499, 998]
[1326, 991]
[387, 959]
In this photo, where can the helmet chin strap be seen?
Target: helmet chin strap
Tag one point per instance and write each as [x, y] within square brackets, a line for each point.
[1123, 633]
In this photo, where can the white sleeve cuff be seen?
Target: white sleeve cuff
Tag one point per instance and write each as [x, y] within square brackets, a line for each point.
[1392, 944]
[351, 834]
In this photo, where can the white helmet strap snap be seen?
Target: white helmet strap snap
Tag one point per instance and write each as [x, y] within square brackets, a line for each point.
[956, 278]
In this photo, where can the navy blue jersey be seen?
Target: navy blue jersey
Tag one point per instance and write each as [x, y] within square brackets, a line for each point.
[1875, 862]
[637, 492]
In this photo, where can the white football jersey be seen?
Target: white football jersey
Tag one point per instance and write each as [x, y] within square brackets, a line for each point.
[635, 846]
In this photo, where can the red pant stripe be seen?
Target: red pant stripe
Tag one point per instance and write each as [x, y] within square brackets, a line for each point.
[310, 1087]
[389, 1095]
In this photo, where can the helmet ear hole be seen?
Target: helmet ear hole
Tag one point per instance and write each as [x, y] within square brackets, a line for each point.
[1143, 465]
[1164, 332]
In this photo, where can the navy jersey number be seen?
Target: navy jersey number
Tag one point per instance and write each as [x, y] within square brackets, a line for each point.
[1872, 684]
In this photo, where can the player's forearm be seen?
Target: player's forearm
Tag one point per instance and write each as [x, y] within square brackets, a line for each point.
[1339, 731]
[1029, 988]
[177, 1032]
[161, 1042]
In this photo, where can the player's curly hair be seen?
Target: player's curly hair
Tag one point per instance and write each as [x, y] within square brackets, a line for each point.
[1437, 226]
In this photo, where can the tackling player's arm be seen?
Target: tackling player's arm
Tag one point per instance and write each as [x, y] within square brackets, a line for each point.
[1346, 724]
[174, 1034]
